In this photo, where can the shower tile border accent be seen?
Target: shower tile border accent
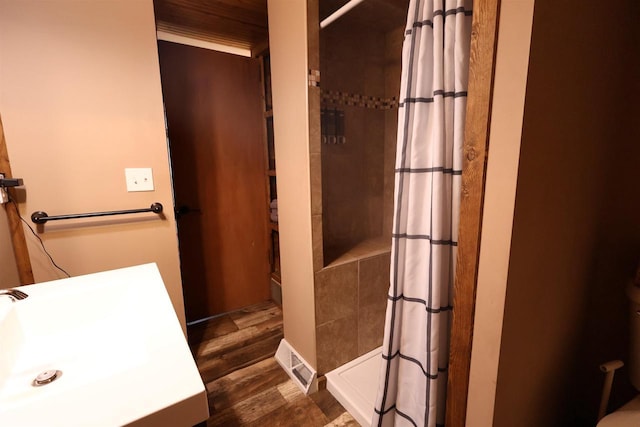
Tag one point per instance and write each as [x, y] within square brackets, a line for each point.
[357, 100]
[314, 78]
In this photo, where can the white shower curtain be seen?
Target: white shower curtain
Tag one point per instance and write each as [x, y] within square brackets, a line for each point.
[415, 351]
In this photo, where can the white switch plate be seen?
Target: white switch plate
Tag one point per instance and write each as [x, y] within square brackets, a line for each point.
[139, 179]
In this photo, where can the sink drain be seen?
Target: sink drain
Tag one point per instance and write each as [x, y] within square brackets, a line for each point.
[46, 377]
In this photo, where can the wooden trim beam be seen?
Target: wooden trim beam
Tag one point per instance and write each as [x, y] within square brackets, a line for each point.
[21, 253]
[481, 72]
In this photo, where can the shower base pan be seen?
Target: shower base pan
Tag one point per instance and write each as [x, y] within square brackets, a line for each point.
[355, 385]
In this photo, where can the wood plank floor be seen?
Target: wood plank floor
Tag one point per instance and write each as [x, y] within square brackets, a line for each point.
[245, 384]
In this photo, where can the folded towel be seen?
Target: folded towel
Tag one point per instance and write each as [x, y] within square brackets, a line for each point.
[274, 216]
[274, 204]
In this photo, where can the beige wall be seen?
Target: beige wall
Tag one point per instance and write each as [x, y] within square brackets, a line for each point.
[289, 71]
[605, 333]
[574, 118]
[80, 100]
[512, 60]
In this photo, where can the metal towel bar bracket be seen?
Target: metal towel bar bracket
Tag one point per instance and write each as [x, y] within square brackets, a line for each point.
[42, 217]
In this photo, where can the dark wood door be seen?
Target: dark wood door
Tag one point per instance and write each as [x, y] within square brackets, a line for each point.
[215, 124]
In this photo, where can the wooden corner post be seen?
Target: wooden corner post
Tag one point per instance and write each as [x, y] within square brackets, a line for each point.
[481, 71]
[21, 253]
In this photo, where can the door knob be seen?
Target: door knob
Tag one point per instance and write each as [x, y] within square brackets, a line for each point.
[184, 209]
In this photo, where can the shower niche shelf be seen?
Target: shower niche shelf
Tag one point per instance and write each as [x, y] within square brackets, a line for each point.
[359, 250]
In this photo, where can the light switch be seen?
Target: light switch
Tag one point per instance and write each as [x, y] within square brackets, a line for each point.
[139, 179]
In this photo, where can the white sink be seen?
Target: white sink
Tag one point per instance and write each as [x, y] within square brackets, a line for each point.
[117, 343]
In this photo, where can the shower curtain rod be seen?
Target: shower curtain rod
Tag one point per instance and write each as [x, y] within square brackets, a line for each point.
[338, 13]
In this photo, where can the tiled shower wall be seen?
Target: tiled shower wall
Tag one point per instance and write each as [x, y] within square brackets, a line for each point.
[354, 181]
[393, 71]
[351, 300]
[352, 63]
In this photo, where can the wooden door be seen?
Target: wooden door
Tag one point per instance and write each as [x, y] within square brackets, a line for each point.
[214, 117]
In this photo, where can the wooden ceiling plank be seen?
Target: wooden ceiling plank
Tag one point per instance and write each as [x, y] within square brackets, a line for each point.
[238, 12]
[234, 23]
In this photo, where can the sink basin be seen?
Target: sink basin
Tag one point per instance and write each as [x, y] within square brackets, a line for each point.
[117, 345]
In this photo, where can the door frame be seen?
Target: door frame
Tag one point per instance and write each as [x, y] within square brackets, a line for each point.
[484, 37]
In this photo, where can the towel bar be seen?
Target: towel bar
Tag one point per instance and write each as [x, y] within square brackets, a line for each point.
[41, 217]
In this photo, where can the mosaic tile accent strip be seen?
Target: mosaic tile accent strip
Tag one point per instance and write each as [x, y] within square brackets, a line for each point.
[356, 100]
[314, 78]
